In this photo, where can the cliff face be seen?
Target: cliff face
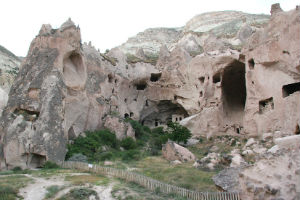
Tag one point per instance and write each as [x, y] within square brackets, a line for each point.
[9, 67]
[65, 88]
[205, 32]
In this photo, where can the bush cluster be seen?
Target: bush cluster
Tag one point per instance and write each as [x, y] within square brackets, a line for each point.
[103, 145]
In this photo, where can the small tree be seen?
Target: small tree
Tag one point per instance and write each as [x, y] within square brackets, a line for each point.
[177, 132]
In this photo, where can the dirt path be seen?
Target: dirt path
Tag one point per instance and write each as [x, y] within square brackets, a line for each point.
[37, 190]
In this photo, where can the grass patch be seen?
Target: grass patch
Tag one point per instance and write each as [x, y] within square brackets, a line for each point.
[53, 190]
[133, 191]
[83, 179]
[51, 172]
[80, 193]
[10, 185]
[184, 175]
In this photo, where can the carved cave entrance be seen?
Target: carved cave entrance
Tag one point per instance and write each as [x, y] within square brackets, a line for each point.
[234, 94]
[163, 112]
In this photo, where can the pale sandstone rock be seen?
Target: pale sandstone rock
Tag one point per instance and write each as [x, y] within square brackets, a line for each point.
[267, 136]
[172, 151]
[250, 142]
[288, 142]
[3, 99]
[175, 162]
[273, 149]
[119, 127]
[65, 87]
[247, 152]
[236, 160]
[272, 177]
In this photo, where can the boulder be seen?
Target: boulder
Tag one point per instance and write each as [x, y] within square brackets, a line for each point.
[172, 151]
[250, 142]
[228, 179]
[237, 160]
[175, 162]
[267, 136]
[288, 142]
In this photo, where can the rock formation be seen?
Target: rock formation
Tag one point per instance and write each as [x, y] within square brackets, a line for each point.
[205, 32]
[65, 87]
[172, 151]
[9, 67]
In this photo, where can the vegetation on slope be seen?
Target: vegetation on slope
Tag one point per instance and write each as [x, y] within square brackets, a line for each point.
[103, 145]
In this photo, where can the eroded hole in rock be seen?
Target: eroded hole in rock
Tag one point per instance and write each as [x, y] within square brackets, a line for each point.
[110, 78]
[161, 113]
[126, 115]
[73, 70]
[266, 105]
[290, 89]
[125, 100]
[71, 133]
[29, 115]
[201, 94]
[36, 160]
[155, 77]
[147, 103]
[297, 131]
[201, 79]
[131, 114]
[217, 78]
[251, 63]
[141, 85]
[234, 91]
[116, 81]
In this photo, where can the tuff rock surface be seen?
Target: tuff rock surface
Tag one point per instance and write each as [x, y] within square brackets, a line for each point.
[9, 67]
[205, 32]
[65, 87]
[172, 152]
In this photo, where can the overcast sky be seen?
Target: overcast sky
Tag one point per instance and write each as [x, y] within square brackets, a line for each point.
[109, 23]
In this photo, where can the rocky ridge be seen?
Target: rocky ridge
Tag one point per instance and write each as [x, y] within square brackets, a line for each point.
[65, 87]
[205, 32]
[9, 67]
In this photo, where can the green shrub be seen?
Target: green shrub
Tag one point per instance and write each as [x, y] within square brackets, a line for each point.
[17, 169]
[91, 145]
[105, 156]
[52, 191]
[158, 131]
[50, 165]
[128, 143]
[178, 133]
[78, 157]
[130, 155]
[80, 193]
[141, 132]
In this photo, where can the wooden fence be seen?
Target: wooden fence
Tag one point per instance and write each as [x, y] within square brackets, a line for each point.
[150, 183]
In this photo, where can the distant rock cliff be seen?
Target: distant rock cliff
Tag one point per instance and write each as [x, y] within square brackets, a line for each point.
[205, 32]
[9, 68]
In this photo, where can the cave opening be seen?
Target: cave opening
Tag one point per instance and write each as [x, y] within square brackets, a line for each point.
[36, 160]
[201, 79]
[162, 112]
[141, 85]
[266, 105]
[290, 89]
[251, 63]
[29, 115]
[155, 77]
[234, 91]
[217, 78]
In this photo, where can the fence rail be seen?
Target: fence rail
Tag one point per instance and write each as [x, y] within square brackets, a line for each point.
[152, 184]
